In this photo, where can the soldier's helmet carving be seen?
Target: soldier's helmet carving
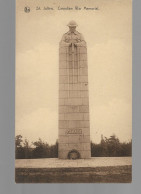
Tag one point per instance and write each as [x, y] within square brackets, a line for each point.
[72, 24]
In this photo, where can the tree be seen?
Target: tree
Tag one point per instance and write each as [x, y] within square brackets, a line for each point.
[19, 151]
[41, 149]
[113, 146]
[54, 150]
[27, 149]
[18, 141]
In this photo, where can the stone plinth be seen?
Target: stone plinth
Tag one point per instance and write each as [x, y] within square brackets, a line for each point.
[54, 170]
[58, 163]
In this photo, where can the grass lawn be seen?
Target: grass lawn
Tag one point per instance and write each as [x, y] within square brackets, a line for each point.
[111, 174]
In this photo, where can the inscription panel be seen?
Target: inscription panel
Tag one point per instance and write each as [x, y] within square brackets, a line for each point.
[73, 131]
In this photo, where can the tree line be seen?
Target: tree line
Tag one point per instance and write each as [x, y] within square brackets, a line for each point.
[108, 147]
[111, 147]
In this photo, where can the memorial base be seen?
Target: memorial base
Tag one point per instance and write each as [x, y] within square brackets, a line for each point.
[94, 170]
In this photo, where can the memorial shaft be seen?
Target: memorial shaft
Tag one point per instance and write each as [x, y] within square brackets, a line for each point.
[74, 123]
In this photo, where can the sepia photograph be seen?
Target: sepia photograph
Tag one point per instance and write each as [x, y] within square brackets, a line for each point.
[73, 120]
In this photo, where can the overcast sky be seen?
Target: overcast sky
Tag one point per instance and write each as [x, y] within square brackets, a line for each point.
[108, 35]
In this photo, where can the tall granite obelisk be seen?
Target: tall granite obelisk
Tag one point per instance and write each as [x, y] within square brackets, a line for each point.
[74, 124]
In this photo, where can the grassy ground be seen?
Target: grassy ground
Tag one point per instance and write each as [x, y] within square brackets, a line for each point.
[113, 174]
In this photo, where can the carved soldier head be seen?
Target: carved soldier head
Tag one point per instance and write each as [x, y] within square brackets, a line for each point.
[72, 25]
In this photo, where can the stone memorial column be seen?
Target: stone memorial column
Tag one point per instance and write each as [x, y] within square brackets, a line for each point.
[74, 123]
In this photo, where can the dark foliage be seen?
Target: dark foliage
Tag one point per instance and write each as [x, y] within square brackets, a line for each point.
[39, 149]
[111, 147]
[108, 147]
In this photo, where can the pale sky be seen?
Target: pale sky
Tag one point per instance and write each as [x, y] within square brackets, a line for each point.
[108, 33]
